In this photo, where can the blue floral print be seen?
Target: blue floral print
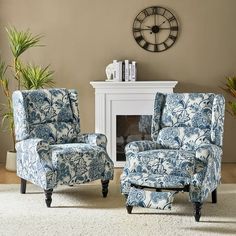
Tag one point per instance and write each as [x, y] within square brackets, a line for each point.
[50, 148]
[186, 147]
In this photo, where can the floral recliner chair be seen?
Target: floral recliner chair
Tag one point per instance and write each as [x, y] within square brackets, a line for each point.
[184, 154]
[50, 148]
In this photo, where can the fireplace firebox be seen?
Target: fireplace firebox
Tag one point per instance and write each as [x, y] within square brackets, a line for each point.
[131, 128]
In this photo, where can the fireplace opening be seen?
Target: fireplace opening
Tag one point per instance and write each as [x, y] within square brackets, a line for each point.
[131, 128]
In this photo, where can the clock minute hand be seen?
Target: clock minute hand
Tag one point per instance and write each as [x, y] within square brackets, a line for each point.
[162, 23]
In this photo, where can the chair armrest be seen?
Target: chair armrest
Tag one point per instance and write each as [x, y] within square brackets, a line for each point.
[206, 152]
[132, 150]
[34, 144]
[37, 151]
[140, 146]
[96, 139]
[207, 171]
[208, 163]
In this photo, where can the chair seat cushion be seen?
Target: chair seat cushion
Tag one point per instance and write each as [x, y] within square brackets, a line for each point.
[164, 162]
[157, 180]
[78, 162]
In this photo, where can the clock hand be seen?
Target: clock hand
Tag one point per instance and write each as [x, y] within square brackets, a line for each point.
[162, 23]
[138, 29]
[164, 28]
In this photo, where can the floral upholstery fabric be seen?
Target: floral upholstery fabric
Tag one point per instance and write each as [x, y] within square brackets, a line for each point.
[50, 148]
[153, 181]
[34, 163]
[93, 139]
[188, 110]
[150, 199]
[80, 162]
[207, 173]
[163, 161]
[46, 114]
[187, 136]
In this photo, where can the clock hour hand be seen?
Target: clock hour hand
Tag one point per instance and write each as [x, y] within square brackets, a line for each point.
[141, 29]
[164, 28]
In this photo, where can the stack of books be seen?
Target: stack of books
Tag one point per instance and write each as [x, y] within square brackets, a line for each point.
[124, 71]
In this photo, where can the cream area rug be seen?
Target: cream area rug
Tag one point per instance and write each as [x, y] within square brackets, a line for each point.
[81, 210]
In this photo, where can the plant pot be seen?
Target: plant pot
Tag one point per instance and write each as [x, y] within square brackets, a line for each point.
[11, 161]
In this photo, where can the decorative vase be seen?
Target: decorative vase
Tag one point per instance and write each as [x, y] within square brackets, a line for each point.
[11, 161]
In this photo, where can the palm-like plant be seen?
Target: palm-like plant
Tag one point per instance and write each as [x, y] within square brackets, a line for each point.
[6, 111]
[27, 76]
[20, 41]
[231, 88]
[35, 77]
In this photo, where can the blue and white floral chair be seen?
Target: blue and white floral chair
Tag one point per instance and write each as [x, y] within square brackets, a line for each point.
[184, 154]
[50, 148]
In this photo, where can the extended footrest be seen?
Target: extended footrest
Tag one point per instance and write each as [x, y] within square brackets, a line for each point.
[150, 199]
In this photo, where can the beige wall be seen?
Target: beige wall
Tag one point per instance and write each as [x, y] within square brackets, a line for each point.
[83, 36]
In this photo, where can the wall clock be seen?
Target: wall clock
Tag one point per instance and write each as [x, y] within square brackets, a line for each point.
[155, 29]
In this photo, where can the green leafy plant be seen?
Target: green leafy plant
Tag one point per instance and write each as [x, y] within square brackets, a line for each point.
[22, 76]
[35, 77]
[231, 88]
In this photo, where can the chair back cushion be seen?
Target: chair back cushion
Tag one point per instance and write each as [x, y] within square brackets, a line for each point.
[50, 114]
[184, 119]
[186, 138]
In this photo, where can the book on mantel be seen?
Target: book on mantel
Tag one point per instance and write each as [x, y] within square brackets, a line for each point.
[124, 71]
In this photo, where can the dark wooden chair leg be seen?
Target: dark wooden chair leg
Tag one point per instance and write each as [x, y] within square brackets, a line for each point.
[22, 186]
[48, 195]
[214, 196]
[129, 209]
[197, 210]
[105, 184]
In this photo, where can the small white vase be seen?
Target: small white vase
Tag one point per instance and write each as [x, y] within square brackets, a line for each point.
[11, 161]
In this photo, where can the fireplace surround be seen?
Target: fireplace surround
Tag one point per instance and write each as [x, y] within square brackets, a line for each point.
[130, 101]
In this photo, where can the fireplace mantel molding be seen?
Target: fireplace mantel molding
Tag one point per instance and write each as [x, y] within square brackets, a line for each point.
[124, 98]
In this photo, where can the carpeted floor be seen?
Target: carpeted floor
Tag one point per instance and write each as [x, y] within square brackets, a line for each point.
[82, 211]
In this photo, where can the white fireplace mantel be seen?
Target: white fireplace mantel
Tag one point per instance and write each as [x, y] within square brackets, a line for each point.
[124, 98]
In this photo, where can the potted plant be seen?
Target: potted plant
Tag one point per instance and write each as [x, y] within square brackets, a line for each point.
[231, 88]
[20, 76]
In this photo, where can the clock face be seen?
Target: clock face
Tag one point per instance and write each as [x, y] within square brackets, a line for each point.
[155, 29]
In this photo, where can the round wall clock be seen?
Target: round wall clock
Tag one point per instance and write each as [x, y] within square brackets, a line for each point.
[155, 29]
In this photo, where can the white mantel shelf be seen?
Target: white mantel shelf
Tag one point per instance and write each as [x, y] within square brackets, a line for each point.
[142, 86]
[124, 98]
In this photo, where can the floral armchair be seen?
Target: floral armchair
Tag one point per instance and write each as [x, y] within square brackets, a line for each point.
[184, 154]
[50, 148]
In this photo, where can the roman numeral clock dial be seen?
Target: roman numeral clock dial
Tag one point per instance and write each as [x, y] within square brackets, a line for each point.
[155, 29]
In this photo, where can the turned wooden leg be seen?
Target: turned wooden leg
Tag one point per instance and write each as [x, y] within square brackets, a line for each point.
[197, 210]
[105, 184]
[214, 196]
[129, 209]
[48, 195]
[22, 186]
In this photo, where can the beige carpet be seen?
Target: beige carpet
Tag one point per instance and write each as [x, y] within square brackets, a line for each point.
[82, 211]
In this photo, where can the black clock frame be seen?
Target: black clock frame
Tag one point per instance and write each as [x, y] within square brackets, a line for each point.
[172, 37]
